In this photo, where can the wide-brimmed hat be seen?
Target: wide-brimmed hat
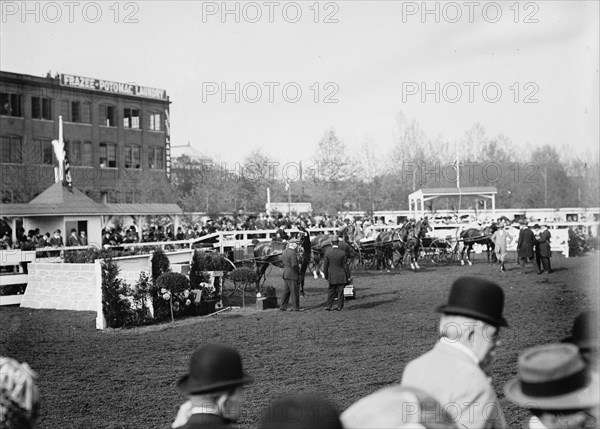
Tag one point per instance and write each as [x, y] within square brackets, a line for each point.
[553, 377]
[214, 367]
[299, 411]
[585, 331]
[476, 298]
[397, 407]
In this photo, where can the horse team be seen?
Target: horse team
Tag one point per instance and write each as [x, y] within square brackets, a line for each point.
[389, 249]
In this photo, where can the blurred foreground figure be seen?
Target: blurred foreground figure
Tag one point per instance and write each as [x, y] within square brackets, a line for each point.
[397, 407]
[19, 397]
[215, 388]
[301, 411]
[585, 336]
[458, 369]
[555, 386]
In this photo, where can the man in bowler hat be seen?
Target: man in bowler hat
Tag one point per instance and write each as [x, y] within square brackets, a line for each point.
[553, 384]
[457, 370]
[525, 245]
[301, 411]
[543, 243]
[215, 388]
[336, 273]
[291, 277]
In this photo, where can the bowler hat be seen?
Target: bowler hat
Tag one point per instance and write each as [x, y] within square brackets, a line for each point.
[301, 411]
[214, 367]
[397, 407]
[553, 377]
[585, 331]
[476, 298]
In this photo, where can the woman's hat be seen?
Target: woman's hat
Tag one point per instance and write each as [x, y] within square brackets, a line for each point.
[476, 298]
[553, 377]
[214, 367]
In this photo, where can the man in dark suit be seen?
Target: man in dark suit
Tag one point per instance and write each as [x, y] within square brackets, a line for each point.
[291, 277]
[543, 241]
[336, 272]
[306, 254]
[215, 388]
[525, 245]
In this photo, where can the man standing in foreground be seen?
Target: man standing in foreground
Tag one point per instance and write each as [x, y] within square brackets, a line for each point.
[543, 241]
[525, 245]
[457, 370]
[336, 273]
[502, 240]
[215, 388]
[291, 277]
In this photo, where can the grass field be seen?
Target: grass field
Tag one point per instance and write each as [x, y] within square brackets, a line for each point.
[127, 378]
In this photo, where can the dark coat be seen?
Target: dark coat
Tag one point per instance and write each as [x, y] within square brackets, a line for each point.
[336, 268]
[291, 266]
[346, 248]
[73, 240]
[544, 244]
[205, 421]
[525, 243]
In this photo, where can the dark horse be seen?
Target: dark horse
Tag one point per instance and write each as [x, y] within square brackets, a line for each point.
[268, 253]
[472, 236]
[387, 243]
[321, 243]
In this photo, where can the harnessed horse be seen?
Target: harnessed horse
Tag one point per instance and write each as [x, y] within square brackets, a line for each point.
[472, 236]
[387, 243]
[415, 231]
[269, 253]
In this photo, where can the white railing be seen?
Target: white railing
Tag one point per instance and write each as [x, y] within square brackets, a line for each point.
[13, 273]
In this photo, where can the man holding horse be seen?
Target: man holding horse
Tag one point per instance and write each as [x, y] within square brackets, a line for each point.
[502, 240]
[291, 277]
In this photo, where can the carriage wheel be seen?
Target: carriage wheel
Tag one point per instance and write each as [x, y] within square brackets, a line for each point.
[441, 251]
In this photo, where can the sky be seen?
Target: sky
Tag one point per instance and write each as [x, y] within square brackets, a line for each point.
[276, 75]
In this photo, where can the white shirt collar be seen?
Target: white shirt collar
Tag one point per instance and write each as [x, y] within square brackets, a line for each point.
[462, 348]
[535, 423]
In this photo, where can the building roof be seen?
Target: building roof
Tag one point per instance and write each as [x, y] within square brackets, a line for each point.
[440, 192]
[58, 200]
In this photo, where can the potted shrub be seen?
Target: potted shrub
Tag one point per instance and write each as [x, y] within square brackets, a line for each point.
[175, 288]
[243, 277]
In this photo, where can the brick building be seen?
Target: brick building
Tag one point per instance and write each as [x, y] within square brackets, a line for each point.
[116, 136]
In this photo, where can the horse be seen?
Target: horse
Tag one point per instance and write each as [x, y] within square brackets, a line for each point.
[472, 236]
[320, 244]
[269, 253]
[414, 232]
[386, 244]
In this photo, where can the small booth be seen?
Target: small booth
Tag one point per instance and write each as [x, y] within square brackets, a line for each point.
[417, 199]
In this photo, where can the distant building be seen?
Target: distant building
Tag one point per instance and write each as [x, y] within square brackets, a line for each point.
[116, 135]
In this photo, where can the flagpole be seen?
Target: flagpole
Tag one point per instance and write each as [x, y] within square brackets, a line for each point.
[458, 178]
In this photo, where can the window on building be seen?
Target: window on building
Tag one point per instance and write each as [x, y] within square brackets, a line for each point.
[156, 158]
[131, 118]
[41, 108]
[155, 121]
[43, 152]
[108, 155]
[86, 154]
[74, 152]
[12, 149]
[132, 157]
[86, 113]
[107, 115]
[10, 104]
